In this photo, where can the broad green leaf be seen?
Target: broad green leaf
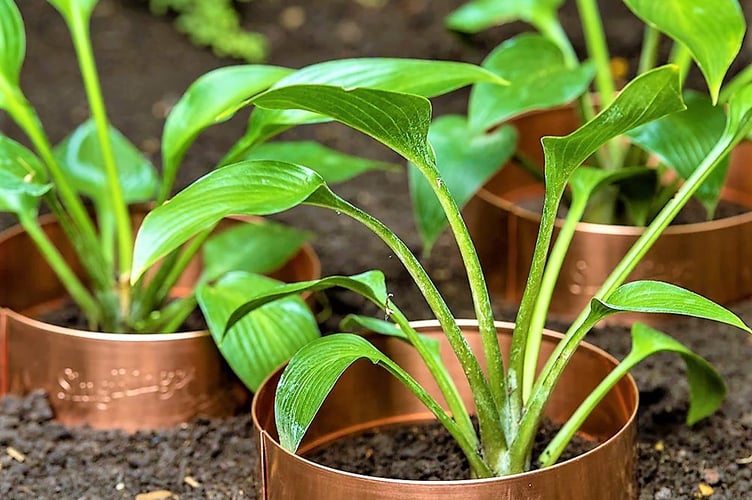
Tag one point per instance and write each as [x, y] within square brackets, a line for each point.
[333, 166]
[213, 98]
[351, 322]
[706, 387]
[712, 31]
[399, 121]
[12, 46]
[369, 284]
[411, 76]
[310, 376]
[80, 157]
[254, 187]
[682, 140]
[648, 296]
[256, 247]
[423, 77]
[477, 15]
[539, 79]
[264, 339]
[639, 194]
[648, 97]
[466, 160]
[22, 178]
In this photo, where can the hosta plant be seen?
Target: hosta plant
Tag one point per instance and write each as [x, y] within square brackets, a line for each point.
[705, 34]
[508, 397]
[89, 180]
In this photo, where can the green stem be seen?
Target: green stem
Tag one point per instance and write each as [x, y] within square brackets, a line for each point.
[552, 29]
[523, 443]
[595, 39]
[488, 417]
[25, 117]
[649, 53]
[476, 279]
[556, 447]
[597, 47]
[550, 276]
[56, 261]
[682, 57]
[79, 29]
[523, 321]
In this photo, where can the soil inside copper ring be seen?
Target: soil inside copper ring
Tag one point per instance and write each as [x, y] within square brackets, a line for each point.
[422, 452]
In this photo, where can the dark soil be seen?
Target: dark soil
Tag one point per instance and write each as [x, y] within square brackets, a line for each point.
[145, 66]
[420, 452]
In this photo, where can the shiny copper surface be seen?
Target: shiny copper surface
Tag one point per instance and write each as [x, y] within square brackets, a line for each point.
[710, 258]
[366, 397]
[124, 381]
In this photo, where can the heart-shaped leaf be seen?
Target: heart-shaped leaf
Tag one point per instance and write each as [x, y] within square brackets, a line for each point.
[213, 98]
[466, 160]
[648, 296]
[648, 97]
[477, 15]
[22, 178]
[12, 47]
[333, 166]
[399, 121]
[411, 76]
[682, 140]
[80, 157]
[254, 187]
[539, 79]
[264, 339]
[257, 247]
[713, 33]
[369, 284]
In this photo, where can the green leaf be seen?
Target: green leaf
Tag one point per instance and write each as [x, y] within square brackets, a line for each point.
[706, 387]
[351, 322]
[22, 178]
[12, 46]
[713, 32]
[682, 140]
[539, 79]
[399, 121]
[466, 160]
[411, 76]
[256, 247]
[648, 97]
[312, 373]
[80, 157]
[663, 298]
[369, 284]
[477, 15]
[264, 339]
[332, 165]
[213, 98]
[254, 187]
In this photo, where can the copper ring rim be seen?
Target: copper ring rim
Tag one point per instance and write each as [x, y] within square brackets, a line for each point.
[306, 251]
[589, 227]
[429, 416]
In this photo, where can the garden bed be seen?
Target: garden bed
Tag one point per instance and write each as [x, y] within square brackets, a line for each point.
[145, 67]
